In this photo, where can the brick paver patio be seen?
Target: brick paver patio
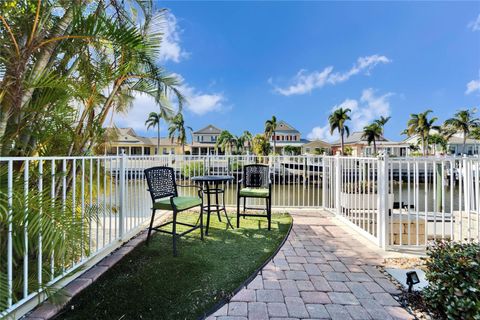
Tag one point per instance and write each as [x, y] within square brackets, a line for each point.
[324, 271]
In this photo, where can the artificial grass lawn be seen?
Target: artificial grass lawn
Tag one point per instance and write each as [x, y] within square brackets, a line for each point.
[149, 283]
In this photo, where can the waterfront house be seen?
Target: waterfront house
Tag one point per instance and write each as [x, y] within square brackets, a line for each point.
[286, 135]
[316, 147]
[454, 145]
[205, 140]
[126, 140]
[359, 146]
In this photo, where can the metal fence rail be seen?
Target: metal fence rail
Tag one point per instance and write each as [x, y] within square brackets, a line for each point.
[57, 213]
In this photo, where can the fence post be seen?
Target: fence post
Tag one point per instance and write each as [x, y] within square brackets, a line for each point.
[382, 201]
[338, 184]
[123, 194]
[324, 182]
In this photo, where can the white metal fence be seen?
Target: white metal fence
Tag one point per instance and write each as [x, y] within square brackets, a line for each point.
[406, 201]
[59, 212]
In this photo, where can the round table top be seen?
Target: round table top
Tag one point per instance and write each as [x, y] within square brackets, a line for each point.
[212, 178]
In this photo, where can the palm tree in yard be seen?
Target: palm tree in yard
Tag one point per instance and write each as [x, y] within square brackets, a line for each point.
[381, 122]
[419, 124]
[226, 140]
[247, 138]
[270, 129]
[464, 122]
[337, 122]
[372, 133]
[177, 127]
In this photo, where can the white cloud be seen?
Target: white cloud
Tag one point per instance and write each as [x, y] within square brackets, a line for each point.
[322, 133]
[473, 86]
[363, 111]
[197, 102]
[170, 48]
[201, 103]
[304, 82]
[475, 24]
[138, 113]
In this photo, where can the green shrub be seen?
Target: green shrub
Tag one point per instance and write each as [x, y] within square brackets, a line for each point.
[453, 273]
[191, 169]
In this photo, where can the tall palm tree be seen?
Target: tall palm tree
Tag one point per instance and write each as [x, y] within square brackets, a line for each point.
[419, 124]
[270, 130]
[177, 127]
[337, 121]
[372, 133]
[463, 121]
[246, 138]
[381, 122]
[226, 141]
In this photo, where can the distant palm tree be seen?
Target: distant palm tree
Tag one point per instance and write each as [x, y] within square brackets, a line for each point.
[372, 133]
[177, 127]
[154, 121]
[270, 130]
[463, 121]
[381, 122]
[420, 125]
[247, 138]
[337, 121]
[226, 141]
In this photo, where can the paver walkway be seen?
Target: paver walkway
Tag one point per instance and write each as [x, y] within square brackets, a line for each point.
[323, 271]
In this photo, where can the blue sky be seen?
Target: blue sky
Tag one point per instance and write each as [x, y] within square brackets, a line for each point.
[242, 62]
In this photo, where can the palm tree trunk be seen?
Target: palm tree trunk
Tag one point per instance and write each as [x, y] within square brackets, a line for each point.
[158, 137]
[464, 142]
[374, 146]
[343, 143]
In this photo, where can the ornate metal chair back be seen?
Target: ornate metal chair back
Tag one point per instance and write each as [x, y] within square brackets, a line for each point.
[161, 182]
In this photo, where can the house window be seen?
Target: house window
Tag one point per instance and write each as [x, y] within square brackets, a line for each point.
[172, 150]
[201, 138]
[165, 151]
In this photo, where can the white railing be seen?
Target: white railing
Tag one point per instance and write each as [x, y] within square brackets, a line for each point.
[401, 202]
[58, 213]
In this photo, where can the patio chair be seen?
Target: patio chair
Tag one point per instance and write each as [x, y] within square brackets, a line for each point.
[255, 183]
[163, 190]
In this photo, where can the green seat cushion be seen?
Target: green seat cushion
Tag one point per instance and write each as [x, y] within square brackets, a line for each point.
[182, 203]
[254, 192]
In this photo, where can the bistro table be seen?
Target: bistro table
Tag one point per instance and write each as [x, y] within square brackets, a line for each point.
[213, 187]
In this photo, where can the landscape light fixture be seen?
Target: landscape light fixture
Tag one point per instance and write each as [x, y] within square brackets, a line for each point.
[412, 278]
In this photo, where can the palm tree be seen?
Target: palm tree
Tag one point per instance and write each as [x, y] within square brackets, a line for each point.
[381, 122]
[70, 67]
[372, 133]
[177, 127]
[153, 121]
[226, 141]
[270, 129]
[463, 121]
[437, 140]
[337, 121]
[247, 138]
[420, 125]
